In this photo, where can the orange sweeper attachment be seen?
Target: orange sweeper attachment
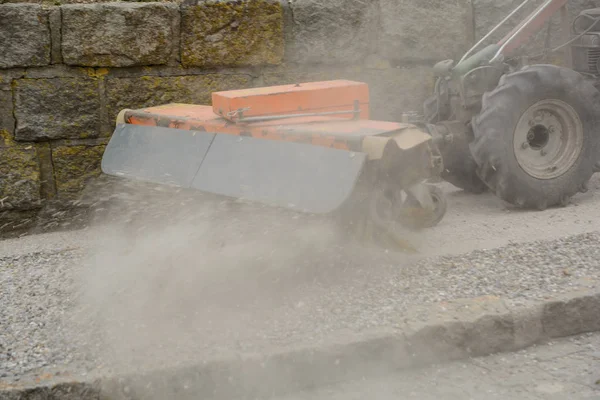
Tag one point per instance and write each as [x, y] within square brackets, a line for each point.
[308, 147]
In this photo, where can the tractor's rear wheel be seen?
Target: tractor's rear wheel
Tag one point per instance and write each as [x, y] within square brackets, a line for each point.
[536, 139]
[460, 171]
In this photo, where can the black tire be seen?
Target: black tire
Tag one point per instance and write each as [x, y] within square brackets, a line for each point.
[558, 98]
[459, 167]
[469, 182]
[461, 171]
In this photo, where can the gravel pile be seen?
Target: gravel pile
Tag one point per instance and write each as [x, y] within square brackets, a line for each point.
[169, 303]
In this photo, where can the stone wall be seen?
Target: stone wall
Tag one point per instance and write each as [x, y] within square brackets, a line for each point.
[67, 69]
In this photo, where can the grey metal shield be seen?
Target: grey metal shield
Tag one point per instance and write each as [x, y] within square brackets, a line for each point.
[155, 154]
[297, 176]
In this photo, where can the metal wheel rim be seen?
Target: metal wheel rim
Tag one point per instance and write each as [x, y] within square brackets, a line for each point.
[548, 139]
[423, 220]
[435, 213]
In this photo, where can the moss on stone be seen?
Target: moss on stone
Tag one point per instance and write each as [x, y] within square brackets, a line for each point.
[97, 72]
[56, 108]
[117, 34]
[74, 166]
[19, 174]
[232, 33]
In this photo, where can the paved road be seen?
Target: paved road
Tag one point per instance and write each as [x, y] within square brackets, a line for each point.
[567, 369]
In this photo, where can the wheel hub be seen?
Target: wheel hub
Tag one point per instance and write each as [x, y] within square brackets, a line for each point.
[548, 139]
[538, 137]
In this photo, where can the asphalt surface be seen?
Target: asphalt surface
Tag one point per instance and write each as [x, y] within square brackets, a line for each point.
[101, 299]
[564, 369]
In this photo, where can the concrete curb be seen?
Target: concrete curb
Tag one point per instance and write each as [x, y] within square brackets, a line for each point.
[427, 335]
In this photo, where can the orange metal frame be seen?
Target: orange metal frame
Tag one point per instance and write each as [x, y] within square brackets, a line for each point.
[311, 97]
[305, 112]
[335, 132]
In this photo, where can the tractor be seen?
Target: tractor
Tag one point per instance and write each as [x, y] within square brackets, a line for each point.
[530, 134]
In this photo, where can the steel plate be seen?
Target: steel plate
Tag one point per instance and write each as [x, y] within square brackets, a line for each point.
[154, 154]
[297, 176]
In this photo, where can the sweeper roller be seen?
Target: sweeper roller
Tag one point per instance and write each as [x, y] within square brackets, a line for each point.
[307, 147]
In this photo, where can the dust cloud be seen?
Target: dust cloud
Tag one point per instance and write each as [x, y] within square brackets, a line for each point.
[175, 279]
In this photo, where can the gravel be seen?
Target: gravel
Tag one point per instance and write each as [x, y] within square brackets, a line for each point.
[167, 299]
[35, 291]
